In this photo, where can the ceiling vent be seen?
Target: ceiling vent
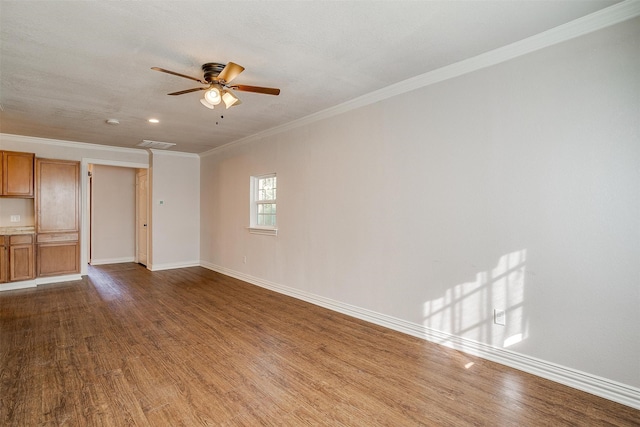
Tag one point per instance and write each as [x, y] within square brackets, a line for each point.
[156, 144]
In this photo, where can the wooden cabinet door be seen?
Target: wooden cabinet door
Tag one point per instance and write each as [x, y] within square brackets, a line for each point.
[21, 257]
[58, 259]
[17, 174]
[21, 262]
[57, 196]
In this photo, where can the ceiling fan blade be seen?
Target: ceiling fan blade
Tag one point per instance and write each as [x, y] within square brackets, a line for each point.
[230, 72]
[257, 89]
[182, 92]
[179, 75]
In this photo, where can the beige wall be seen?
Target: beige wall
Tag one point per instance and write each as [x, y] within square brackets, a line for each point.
[10, 206]
[114, 211]
[175, 210]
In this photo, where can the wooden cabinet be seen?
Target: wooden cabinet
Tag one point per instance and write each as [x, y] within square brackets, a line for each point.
[17, 261]
[57, 217]
[55, 248]
[58, 254]
[17, 177]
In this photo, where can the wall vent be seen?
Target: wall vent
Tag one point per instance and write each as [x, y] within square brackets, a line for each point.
[156, 144]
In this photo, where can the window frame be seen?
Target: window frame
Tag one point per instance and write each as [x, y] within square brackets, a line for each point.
[254, 227]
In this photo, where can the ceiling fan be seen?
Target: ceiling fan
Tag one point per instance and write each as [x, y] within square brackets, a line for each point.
[217, 78]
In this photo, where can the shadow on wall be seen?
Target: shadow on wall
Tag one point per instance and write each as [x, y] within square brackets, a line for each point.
[467, 310]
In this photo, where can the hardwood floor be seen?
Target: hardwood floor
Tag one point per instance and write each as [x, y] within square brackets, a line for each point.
[126, 346]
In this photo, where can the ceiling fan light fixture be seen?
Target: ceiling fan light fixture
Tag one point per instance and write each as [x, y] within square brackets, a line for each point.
[229, 98]
[217, 76]
[213, 96]
[206, 104]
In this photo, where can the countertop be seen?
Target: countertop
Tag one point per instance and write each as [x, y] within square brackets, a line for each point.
[8, 231]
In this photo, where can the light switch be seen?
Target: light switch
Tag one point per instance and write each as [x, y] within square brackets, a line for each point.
[15, 218]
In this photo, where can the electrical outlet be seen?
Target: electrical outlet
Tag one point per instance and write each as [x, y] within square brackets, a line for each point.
[499, 317]
[15, 218]
[244, 260]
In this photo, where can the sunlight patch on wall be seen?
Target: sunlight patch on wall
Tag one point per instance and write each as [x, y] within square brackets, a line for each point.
[466, 309]
[513, 339]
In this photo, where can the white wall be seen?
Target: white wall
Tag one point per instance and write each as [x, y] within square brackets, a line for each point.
[114, 213]
[174, 210]
[514, 187]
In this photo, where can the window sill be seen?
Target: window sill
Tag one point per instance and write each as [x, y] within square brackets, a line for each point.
[263, 231]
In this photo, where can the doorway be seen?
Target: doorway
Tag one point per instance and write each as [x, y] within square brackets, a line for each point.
[111, 207]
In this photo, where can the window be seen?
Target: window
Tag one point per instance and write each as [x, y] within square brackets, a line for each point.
[263, 204]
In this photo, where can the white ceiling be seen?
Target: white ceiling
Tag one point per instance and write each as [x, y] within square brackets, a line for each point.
[68, 66]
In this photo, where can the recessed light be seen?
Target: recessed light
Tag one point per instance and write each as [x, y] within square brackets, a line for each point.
[154, 121]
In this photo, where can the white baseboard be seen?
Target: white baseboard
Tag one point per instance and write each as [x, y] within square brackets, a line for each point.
[12, 286]
[172, 265]
[25, 284]
[608, 389]
[112, 260]
[58, 279]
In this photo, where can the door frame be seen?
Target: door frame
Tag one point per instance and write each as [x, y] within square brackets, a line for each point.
[84, 171]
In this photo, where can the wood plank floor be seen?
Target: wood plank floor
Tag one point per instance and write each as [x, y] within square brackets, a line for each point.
[126, 346]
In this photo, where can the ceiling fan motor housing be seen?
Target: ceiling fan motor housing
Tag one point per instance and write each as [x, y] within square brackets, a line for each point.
[212, 70]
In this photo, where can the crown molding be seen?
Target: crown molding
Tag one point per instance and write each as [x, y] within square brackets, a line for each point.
[155, 152]
[90, 146]
[607, 17]
[68, 144]
[118, 163]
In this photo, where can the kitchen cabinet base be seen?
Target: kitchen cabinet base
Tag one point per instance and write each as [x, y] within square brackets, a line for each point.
[58, 259]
